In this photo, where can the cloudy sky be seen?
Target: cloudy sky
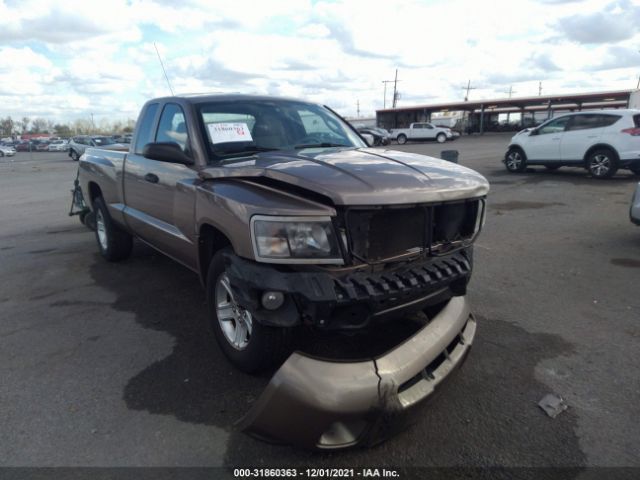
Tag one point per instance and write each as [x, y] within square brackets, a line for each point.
[64, 60]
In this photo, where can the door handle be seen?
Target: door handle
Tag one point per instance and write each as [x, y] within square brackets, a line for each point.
[151, 177]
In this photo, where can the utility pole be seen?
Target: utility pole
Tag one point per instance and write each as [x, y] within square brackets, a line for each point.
[93, 125]
[395, 90]
[467, 88]
[638, 86]
[539, 89]
[510, 92]
[358, 108]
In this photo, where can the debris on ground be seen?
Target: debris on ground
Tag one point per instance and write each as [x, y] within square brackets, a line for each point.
[553, 405]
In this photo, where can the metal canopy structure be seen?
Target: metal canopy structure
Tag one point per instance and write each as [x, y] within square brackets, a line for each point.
[481, 112]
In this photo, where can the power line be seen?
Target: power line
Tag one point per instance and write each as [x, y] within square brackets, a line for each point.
[395, 90]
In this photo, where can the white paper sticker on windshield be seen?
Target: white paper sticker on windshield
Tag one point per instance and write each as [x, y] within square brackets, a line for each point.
[229, 132]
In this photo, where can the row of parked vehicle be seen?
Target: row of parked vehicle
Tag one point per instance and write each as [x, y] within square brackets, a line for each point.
[75, 146]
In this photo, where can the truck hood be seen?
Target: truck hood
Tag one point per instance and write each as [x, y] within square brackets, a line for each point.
[363, 176]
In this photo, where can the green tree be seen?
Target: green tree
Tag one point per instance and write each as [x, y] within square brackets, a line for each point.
[6, 127]
[62, 130]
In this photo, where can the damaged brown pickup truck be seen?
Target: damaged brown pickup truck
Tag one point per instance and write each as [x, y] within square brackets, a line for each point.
[293, 222]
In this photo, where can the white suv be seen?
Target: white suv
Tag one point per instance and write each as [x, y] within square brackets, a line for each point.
[601, 141]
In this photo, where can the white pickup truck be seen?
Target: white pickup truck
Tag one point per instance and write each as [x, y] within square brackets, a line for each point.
[421, 131]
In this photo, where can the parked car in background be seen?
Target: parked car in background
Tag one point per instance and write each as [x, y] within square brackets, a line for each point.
[600, 141]
[79, 144]
[58, 146]
[6, 151]
[42, 147]
[23, 146]
[634, 211]
[379, 138]
[421, 131]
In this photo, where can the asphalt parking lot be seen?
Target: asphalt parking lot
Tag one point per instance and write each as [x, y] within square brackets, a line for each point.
[112, 364]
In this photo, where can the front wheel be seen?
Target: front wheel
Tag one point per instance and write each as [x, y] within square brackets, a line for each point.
[441, 138]
[74, 155]
[515, 160]
[248, 345]
[601, 164]
[114, 243]
[402, 139]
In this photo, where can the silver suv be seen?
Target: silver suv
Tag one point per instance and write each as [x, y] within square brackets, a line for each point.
[601, 141]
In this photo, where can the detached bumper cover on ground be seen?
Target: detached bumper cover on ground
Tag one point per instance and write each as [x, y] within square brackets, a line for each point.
[323, 404]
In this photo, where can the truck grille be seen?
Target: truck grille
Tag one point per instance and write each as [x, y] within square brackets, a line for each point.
[374, 234]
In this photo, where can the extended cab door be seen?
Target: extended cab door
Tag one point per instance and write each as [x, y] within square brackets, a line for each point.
[160, 196]
[544, 142]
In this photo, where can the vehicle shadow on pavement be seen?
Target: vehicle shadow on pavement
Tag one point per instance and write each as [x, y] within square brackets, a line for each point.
[486, 415]
[195, 383]
[574, 176]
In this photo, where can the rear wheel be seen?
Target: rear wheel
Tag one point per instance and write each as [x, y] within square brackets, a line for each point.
[601, 163]
[515, 160]
[114, 243]
[441, 138]
[247, 344]
[402, 139]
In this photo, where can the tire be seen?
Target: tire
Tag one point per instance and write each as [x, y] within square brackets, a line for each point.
[552, 168]
[601, 163]
[74, 155]
[114, 243]
[402, 139]
[441, 138]
[259, 347]
[515, 160]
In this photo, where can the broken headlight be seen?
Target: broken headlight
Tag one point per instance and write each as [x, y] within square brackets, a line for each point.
[294, 240]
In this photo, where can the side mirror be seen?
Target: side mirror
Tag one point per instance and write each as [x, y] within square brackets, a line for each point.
[368, 138]
[166, 152]
[533, 132]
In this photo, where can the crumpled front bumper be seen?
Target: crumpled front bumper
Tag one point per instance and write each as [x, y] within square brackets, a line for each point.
[324, 404]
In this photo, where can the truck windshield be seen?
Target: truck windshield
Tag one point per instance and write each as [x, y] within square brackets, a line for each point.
[242, 127]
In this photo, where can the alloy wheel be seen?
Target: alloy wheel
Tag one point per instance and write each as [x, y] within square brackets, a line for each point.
[514, 160]
[600, 165]
[102, 230]
[235, 322]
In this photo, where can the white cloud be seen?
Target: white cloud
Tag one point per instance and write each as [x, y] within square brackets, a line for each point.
[70, 59]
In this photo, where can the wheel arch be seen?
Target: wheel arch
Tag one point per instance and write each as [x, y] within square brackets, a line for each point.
[94, 191]
[599, 146]
[210, 240]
